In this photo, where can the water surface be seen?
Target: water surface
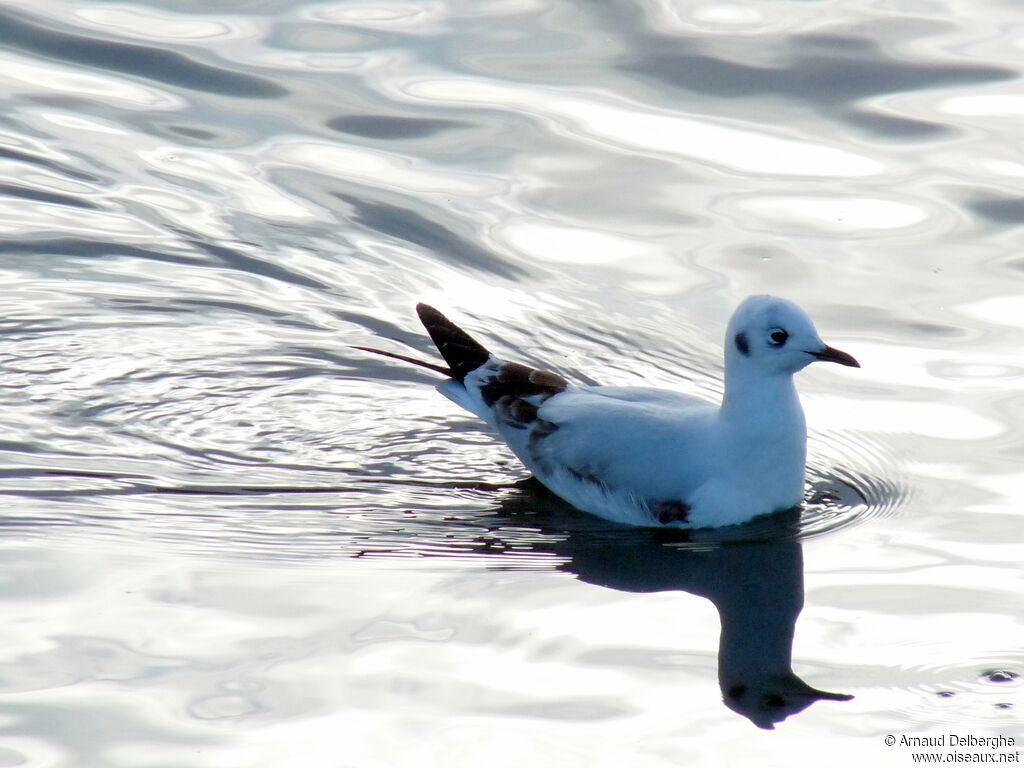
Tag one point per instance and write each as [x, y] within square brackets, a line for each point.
[232, 540]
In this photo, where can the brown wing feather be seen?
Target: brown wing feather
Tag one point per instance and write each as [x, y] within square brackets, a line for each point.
[508, 387]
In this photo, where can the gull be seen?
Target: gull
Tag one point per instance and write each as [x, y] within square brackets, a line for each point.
[652, 457]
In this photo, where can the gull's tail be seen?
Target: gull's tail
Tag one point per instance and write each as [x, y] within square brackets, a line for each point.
[462, 353]
[503, 392]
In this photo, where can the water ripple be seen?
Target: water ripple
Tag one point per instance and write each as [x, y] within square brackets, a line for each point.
[221, 526]
[162, 66]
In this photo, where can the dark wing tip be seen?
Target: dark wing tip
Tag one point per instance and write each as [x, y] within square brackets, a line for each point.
[425, 310]
[460, 350]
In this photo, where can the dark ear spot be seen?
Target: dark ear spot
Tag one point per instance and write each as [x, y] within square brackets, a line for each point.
[736, 692]
[741, 344]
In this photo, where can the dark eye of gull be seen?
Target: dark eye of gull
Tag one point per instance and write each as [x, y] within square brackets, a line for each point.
[777, 337]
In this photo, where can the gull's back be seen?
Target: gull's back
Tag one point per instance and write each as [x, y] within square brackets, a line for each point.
[653, 445]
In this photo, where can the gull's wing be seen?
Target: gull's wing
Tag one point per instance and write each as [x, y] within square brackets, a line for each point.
[622, 452]
[651, 443]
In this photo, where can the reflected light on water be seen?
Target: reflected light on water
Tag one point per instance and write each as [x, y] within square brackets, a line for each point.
[383, 169]
[563, 245]
[853, 216]
[423, 18]
[1001, 310]
[984, 104]
[153, 24]
[937, 420]
[607, 120]
[31, 75]
[229, 539]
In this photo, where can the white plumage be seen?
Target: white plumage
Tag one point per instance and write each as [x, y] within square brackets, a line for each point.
[650, 456]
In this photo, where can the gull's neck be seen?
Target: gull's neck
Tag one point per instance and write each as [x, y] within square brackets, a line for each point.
[756, 398]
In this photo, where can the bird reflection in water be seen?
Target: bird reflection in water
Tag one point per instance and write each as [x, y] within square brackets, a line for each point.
[753, 574]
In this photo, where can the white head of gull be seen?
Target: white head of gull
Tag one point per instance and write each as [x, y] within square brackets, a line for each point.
[649, 456]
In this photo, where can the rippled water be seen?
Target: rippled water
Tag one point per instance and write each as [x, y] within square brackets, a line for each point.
[231, 540]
